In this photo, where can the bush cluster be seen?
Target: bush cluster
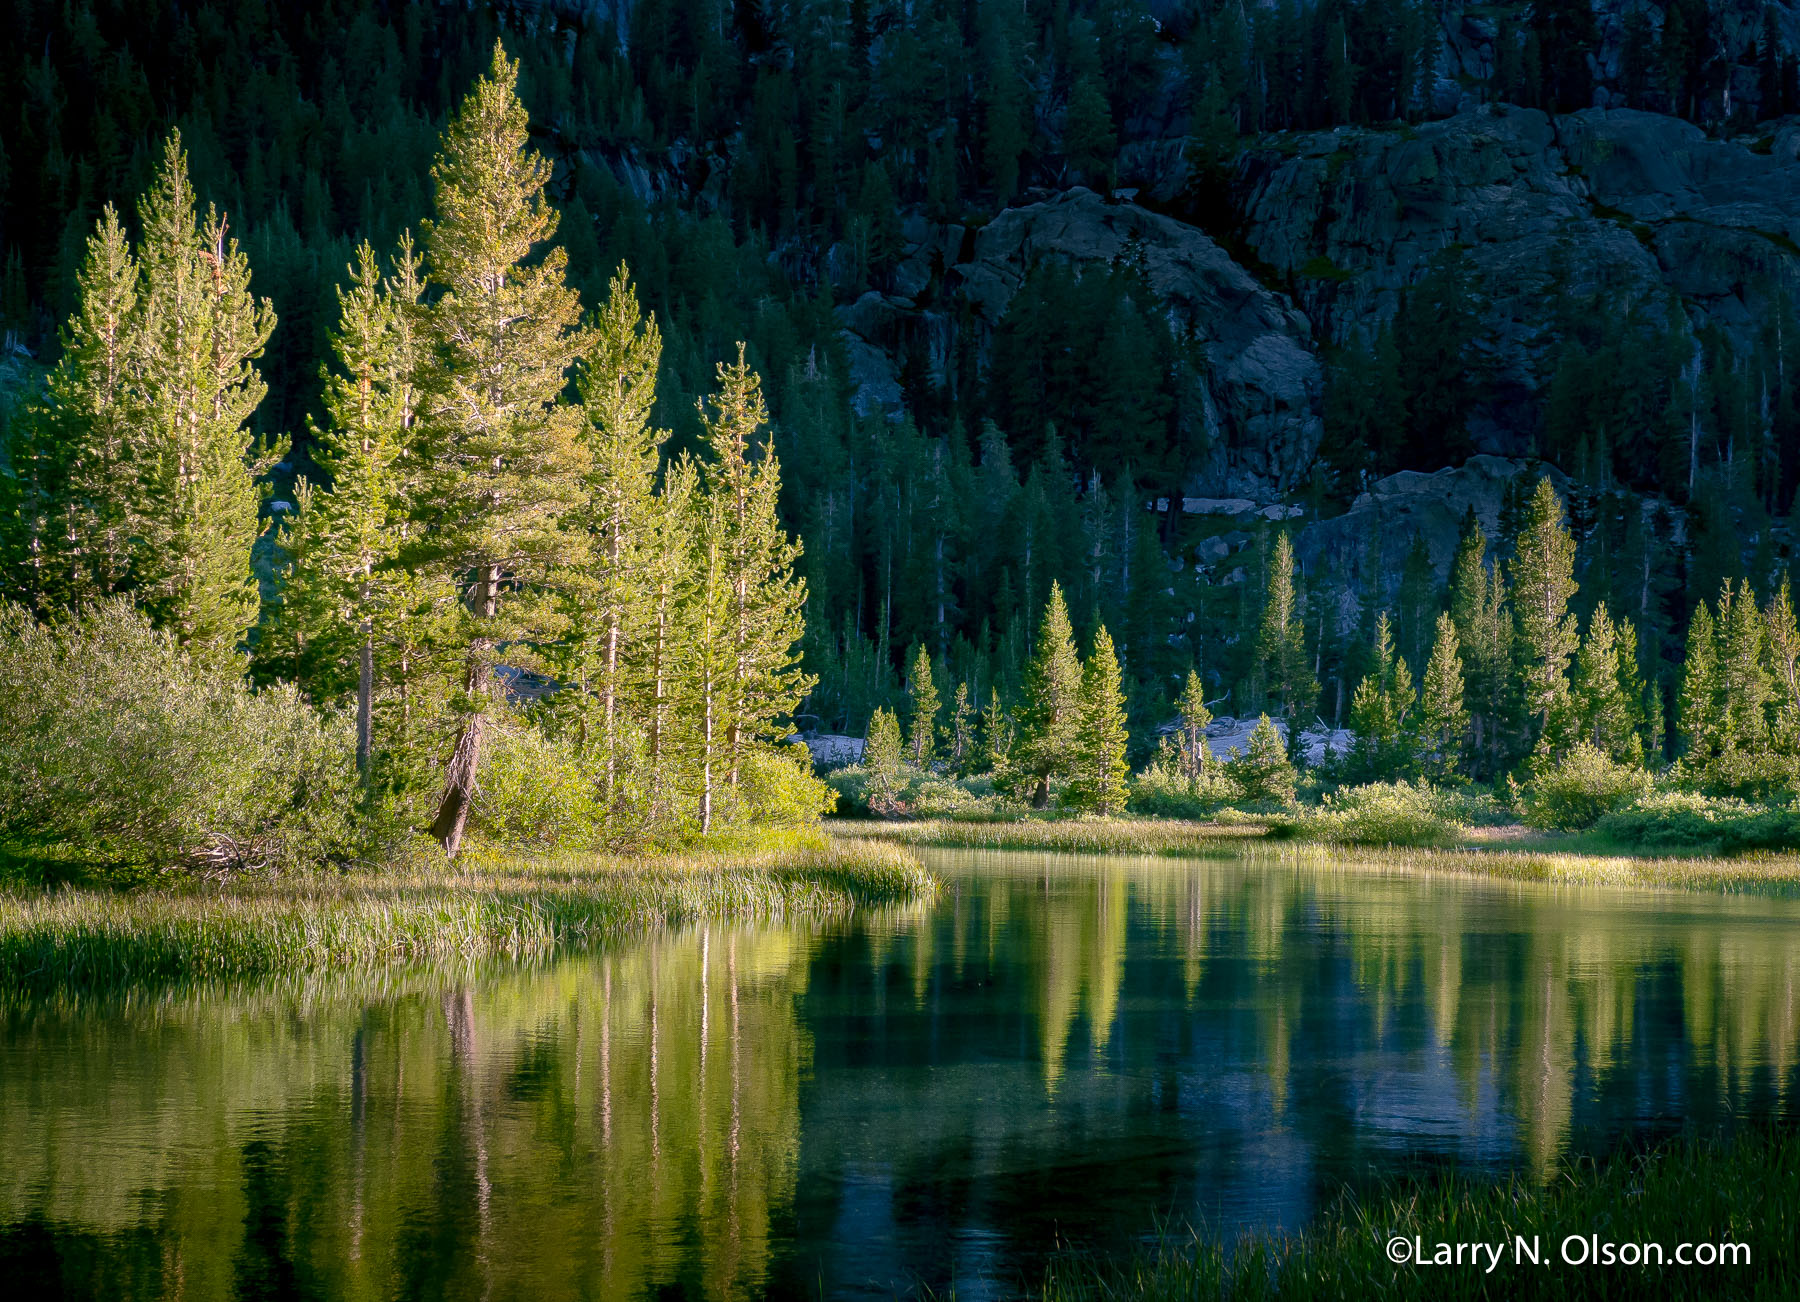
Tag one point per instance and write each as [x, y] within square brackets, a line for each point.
[1579, 789]
[1688, 823]
[538, 791]
[1388, 814]
[1164, 791]
[911, 792]
[119, 750]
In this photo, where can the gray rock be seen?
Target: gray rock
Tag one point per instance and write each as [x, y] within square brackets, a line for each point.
[1626, 204]
[1217, 505]
[1209, 550]
[1408, 505]
[1262, 379]
[832, 751]
[1227, 737]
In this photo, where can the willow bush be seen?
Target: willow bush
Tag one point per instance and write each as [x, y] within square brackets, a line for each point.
[120, 750]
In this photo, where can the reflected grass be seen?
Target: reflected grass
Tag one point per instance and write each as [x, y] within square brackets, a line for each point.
[487, 906]
[1744, 1191]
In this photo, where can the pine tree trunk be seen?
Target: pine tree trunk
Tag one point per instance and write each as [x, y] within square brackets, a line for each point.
[1040, 799]
[465, 760]
[459, 788]
[610, 696]
[365, 702]
[706, 768]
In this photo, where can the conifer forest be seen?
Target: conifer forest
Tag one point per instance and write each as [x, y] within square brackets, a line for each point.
[1081, 548]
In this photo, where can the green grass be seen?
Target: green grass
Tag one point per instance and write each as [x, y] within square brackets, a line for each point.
[1581, 861]
[1066, 835]
[486, 906]
[1743, 1191]
[1510, 853]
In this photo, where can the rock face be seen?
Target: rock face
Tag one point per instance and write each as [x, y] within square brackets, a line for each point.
[1628, 205]
[1261, 372]
[1463, 74]
[1227, 738]
[1408, 505]
[832, 750]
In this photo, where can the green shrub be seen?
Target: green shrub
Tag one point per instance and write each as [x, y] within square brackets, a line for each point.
[533, 791]
[1579, 789]
[916, 793]
[778, 788]
[118, 750]
[1386, 813]
[1164, 791]
[1687, 823]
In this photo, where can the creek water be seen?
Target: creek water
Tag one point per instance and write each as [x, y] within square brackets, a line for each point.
[1058, 1053]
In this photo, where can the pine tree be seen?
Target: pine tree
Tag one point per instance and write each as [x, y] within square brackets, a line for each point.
[922, 693]
[671, 580]
[1543, 582]
[1281, 641]
[1745, 687]
[1655, 745]
[1783, 642]
[1417, 602]
[1100, 771]
[1484, 631]
[81, 460]
[1381, 712]
[997, 738]
[342, 544]
[1264, 772]
[613, 610]
[1051, 715]
[1443, 720]
[1603, 705]
[881, 760]
[196, 390]
[508, 464]
[961, 731]
[1088, 136]
[768, 598]
[1191, 749]
[706, 646]
[1631, 686]
[1697, 708]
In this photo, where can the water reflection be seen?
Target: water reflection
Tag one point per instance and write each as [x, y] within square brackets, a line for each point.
[1058, 1050]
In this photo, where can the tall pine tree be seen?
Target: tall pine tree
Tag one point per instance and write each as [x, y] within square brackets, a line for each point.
[1100, 771]
[509, 466]
[197, 389]
[1543, 582]
[1051, 716]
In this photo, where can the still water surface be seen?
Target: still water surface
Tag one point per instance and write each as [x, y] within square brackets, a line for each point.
[1060, 1050]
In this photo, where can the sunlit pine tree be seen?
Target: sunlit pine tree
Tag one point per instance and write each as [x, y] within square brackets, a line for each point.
[508, 464]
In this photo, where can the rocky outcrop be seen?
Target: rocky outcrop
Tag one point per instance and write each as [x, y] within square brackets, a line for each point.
[1630, 206]
[1383, 522]
[1227, 738]
[832, 750]
[1470, 34]
[1260, 370]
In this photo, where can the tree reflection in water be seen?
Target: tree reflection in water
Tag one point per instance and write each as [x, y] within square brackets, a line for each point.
[1057, 1050]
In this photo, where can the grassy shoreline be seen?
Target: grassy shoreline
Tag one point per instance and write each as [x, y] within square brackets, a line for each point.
[1744, 1190]
[486, 906]
[1487, 852]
